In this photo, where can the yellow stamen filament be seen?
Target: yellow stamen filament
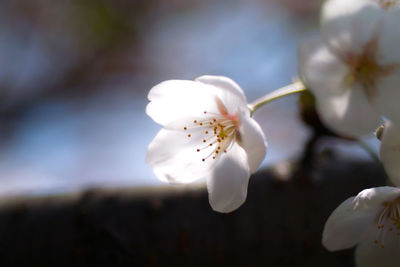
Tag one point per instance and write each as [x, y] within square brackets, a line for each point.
[388, 221]
[220, 128]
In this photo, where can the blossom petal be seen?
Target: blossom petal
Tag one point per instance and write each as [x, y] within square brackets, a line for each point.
[369, 254]
[389, 38]
[174, 99]
[174, 158]
[390, 151]
[346, 226]
[253, 141]
[346, 26]
[227, 184]
[349, 114]
[387, 94]
[373, 198]
[319, 69]
[227, 90]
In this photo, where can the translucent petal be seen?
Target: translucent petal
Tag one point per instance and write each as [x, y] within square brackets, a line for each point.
[227, 184]
[346, 226]
[174, 158]
[174, 99]
[346, 26]
[253, 141]
[227, 90]
[385, 100]
[349, 114]
[321, 70]
[390, 151]
[373, 198]
[389, 38]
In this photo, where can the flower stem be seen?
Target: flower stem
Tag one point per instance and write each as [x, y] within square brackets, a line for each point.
[293, 88]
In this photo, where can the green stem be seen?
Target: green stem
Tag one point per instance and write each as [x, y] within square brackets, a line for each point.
[293, 88]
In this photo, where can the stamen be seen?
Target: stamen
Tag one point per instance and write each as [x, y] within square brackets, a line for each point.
[387, 220]
[216, 128]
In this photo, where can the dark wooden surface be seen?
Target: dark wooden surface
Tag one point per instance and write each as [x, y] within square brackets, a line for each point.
[279, 225]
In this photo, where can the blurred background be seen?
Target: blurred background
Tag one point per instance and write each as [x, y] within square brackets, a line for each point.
[74, 185]
[74, 78]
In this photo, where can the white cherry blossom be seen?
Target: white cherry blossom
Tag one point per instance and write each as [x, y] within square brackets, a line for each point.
[208, 132]
[370, 221]
[354, 69]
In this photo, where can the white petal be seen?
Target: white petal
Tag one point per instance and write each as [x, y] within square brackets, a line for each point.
[346, 26]
[227, 90]
[346, 226]
[389, 38]
[321, 70]
[174, 99]
[386, 99]
[373, 198]
[349, 114]
[390, 151]
[227, 184]
[369, 254]
[174, 158]
[253, 141]
[388, 91]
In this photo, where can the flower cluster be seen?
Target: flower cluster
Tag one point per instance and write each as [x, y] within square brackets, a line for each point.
[354, 72]
[354, 69]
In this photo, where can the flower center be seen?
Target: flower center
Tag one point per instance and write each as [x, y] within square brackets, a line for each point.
[365, 70]
[388, 221]
[217, 132]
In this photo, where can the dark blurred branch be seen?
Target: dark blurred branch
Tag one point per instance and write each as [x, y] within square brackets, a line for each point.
[279, 225]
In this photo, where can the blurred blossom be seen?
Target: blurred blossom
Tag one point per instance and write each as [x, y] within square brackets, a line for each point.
[390, 151]
[354, 70]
